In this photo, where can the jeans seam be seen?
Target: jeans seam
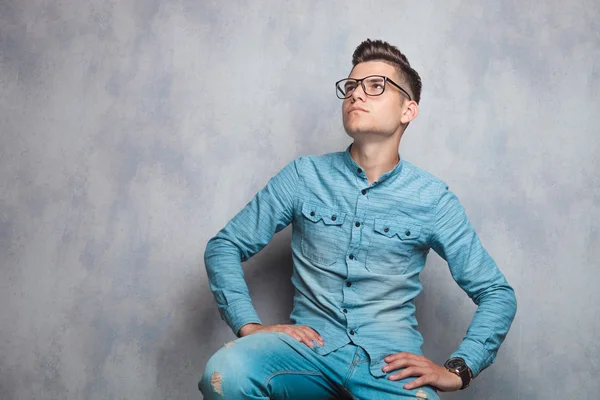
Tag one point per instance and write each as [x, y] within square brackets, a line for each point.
[352, 368]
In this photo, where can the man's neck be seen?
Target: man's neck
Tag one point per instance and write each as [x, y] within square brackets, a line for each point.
[375, 158]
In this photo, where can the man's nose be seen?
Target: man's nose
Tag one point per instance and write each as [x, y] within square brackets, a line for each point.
[359, 93]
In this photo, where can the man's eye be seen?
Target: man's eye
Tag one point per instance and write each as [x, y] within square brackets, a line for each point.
[376, 85]
[349, 88]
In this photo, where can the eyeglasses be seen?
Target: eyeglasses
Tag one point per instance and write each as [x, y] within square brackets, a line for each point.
[372, 85]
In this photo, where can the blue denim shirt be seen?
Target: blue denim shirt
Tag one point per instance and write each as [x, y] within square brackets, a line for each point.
[357, 251]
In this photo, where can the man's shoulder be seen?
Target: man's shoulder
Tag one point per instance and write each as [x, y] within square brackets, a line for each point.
[424, 175]
[425, 180]
[311, 161]
[325, 157]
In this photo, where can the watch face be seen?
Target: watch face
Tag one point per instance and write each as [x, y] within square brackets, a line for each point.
[457, 364]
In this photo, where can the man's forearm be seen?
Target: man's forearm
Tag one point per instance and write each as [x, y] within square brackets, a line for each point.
[490, 325]
[226, 278]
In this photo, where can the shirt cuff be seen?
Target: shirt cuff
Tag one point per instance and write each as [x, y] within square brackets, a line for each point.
[476, 356]
[239, 314]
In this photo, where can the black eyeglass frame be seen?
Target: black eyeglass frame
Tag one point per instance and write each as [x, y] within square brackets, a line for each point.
[361, 81]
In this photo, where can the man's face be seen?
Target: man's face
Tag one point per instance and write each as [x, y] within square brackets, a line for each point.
[379, 116]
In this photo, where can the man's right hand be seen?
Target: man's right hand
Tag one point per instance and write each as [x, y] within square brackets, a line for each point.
[301, 333]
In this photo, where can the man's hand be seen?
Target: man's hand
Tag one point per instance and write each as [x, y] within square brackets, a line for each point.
[428, 372]
[301, 333]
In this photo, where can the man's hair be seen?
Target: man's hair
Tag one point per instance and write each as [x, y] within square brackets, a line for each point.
[378, 50]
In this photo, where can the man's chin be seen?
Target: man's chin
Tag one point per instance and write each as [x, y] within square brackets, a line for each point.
[358, 134]
[355, 130]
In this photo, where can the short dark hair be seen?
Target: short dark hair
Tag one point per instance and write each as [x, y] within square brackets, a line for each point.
[378, 50]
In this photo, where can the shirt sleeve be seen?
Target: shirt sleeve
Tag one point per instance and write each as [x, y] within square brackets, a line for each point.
[271, 210]
[454, 239]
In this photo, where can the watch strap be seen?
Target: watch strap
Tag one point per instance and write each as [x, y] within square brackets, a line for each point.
[463, 371]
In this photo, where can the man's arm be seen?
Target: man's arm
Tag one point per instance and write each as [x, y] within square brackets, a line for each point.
[455, 240]
[246, 234]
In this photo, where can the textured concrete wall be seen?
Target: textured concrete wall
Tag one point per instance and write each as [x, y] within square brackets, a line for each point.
[131, 131]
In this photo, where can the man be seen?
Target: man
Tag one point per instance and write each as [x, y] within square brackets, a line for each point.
[363, 223]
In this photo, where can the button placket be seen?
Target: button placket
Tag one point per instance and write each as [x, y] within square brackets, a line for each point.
[349, 298]
[354, 259]
[349, 294]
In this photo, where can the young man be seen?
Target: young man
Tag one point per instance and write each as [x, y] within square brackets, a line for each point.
[363, 223]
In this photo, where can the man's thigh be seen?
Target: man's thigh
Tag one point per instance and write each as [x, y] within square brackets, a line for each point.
[383, 389]
[263, 366]
[364, 385]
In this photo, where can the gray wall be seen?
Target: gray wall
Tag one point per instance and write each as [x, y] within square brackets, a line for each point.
[131, 131]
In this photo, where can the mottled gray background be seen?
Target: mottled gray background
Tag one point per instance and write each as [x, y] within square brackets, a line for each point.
[131, 131]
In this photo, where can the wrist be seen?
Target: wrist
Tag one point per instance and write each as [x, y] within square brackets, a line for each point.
[458, 367]
[457, 382]
[248, 329]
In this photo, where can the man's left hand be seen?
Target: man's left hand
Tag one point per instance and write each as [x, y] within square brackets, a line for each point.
[428, 372]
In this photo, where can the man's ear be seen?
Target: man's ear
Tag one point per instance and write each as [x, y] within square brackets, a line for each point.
[410, 110]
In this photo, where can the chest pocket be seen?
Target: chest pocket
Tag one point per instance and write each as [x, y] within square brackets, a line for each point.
[391, 245]
[322, 228]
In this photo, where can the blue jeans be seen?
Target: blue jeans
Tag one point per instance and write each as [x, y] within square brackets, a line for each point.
[276, 366]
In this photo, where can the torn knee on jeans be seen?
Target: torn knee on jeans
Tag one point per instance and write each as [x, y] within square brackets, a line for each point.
[229, 344]
[421, 394]
[216, 381]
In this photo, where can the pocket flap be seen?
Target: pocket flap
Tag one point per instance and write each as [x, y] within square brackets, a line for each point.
[390, 227]
[329, 216]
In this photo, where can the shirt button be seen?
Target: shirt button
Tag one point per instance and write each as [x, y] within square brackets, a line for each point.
[333, 217]
[348, 284]
[363, 192]
[359, 170]
[312, 213]
[351, 256]
[345, 311]
[351, 332]
[386, 230]
[407, 233]
[357, 224]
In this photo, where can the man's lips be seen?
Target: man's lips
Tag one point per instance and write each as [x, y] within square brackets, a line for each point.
[356, 109]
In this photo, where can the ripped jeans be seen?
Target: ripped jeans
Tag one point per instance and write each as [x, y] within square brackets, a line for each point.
[276, 366]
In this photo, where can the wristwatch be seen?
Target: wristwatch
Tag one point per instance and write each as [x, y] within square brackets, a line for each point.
[458, 366]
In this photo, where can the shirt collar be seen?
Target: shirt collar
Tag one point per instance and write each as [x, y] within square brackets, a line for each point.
[359, 172]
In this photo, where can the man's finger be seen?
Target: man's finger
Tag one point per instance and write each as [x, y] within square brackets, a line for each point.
[292, 332]
[311, 333]
[402, 355]
[404, 363]
[303, 337]
[295, 336]
[301, 333]
[410, 371]
[308, 341]
[312, 338]
[306, 333]
[421, 381]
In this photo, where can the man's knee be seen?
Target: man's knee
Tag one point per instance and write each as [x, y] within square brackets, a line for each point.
[211, 383]
[233, 368]
[225, 364]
